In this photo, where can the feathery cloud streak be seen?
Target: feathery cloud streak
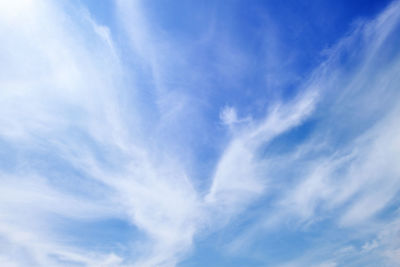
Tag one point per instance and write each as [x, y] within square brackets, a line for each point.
[78, 150]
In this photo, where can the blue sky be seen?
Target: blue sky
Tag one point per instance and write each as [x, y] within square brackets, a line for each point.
[199, 133]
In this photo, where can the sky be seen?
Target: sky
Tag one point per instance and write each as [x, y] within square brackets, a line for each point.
[199, 133]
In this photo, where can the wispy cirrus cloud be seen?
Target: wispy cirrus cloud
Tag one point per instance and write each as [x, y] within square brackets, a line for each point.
[345, 171]
[61, 112]
[89, 137]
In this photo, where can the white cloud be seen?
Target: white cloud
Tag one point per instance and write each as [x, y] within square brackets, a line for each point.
[346, 171]
[59, 81]
[368, 156]
[234, 187]
[59, 100]
[228, 116]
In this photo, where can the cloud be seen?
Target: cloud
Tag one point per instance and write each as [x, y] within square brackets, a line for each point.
[53, 85]
[362, 158]
[76, 158]
[82, 143]
[228, 116]
[344, 172]
[234, 187]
